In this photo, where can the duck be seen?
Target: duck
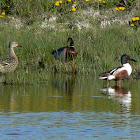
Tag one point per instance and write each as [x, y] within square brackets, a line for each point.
[67, 53]
[9, 64]
[119, 73]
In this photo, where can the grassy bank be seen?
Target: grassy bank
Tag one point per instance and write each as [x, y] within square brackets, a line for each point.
[99, 47]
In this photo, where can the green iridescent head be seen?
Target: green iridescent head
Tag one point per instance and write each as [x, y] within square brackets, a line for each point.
[125, 57]
[70, 42]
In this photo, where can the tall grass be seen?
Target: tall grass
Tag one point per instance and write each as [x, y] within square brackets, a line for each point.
[99, 49]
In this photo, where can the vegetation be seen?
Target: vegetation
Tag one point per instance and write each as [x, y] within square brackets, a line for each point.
[101, 34]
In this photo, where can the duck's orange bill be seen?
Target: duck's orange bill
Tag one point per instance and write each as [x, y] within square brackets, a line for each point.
[19, 46]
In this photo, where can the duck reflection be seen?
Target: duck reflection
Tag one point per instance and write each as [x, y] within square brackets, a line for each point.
[122, 95]
[64, 83]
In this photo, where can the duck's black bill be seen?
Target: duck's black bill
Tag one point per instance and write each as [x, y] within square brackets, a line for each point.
[133, 60]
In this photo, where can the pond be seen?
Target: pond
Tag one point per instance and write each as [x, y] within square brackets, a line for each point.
[70, 107]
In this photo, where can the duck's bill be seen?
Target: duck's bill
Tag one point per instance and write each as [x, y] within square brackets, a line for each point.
[19, 46]
[68, 43]
[133, 60]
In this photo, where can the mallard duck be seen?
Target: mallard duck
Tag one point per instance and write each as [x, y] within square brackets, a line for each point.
[67, 53]
[10, 64]
[119, 73]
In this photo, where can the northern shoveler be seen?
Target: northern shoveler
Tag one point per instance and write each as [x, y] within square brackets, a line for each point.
[119, 73]
[10, 64]
[66, 53]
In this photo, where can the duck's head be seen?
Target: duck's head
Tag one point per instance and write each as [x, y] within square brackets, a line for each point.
[14, 44]
[125, 58]
[70, 42]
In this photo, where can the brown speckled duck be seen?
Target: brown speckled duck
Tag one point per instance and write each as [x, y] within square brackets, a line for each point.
[10, 64]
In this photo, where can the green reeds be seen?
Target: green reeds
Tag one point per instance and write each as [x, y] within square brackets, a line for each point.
[97, 51]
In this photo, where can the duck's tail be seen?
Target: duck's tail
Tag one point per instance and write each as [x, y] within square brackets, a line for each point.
[103, 77]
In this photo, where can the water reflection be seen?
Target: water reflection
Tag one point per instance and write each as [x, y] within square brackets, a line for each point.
[55, 96]
[64, 83]
[120, 94]
[68, 93]
[69, 107]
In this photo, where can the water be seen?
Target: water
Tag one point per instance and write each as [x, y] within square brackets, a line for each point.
[70, 107]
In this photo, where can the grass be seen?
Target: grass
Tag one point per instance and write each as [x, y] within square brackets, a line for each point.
[99, 49]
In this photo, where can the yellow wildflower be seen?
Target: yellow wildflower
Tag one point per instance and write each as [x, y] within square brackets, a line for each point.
[68, 0]
[74, 2]
[60, 1]
[87, 0]
[57, 3]
[99, 0]
[121, 8]
[3, 13]
[104, 2]
[1, 16]
[137, 18]
[134, 19]
[73, 9]
[117, 9]
[132, 25]
[8, 6]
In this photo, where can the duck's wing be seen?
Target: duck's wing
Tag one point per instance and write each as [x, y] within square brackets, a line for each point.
[112, 72]
[60, 53]
[57, 51]
[6, 61]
